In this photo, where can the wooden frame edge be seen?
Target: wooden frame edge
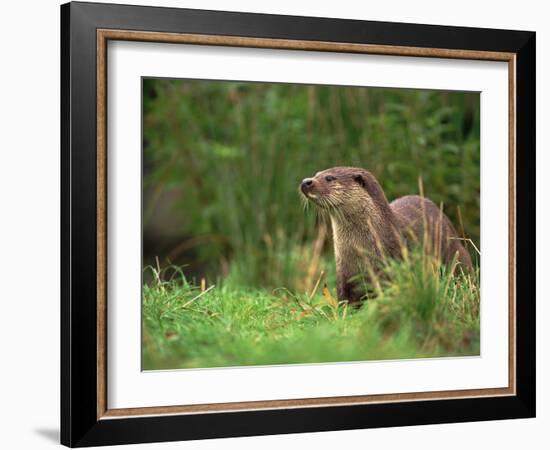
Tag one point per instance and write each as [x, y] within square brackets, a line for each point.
[302, 403]
[289, 44]
[512, 328]
[101, 223]
[103, 35]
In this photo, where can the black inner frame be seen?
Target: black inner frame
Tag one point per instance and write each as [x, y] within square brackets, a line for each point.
[79, 423]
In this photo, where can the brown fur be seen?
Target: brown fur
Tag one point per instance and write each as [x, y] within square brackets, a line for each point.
[367, 229]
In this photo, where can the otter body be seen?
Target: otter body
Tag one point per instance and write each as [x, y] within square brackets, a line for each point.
[367, 228]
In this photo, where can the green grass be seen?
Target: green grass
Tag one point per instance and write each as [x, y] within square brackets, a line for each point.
[419, 310]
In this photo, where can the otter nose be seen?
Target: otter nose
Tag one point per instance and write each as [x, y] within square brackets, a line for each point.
[306, 183]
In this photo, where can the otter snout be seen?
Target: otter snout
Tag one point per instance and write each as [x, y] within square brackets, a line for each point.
[306, 185]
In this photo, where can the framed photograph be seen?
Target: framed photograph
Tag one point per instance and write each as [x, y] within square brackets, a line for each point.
[277, 224]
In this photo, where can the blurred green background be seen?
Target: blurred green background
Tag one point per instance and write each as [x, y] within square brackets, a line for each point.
[223, 161]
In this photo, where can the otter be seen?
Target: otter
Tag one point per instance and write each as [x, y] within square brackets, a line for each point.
[367, 228]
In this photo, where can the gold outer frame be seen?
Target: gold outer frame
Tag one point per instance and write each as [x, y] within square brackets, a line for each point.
[103, 36]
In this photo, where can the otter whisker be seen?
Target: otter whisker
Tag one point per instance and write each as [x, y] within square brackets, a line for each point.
[305, 203]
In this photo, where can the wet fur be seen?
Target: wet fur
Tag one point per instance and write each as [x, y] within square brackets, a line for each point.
[367, 228]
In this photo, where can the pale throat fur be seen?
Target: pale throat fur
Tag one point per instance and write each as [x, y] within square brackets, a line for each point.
[357, 253]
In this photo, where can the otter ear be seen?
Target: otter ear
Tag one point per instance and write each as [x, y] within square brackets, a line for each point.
[358, 178]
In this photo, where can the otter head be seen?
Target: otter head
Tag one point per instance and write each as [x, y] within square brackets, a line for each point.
[344, 190]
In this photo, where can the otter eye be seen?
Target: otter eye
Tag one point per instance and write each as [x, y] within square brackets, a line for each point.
[329, 178]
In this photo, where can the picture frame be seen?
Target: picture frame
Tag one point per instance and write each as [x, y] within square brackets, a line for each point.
[86, 418]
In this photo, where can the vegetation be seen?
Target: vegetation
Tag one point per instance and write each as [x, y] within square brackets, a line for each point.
[421, 310]
[234, 154]
[248, 287]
